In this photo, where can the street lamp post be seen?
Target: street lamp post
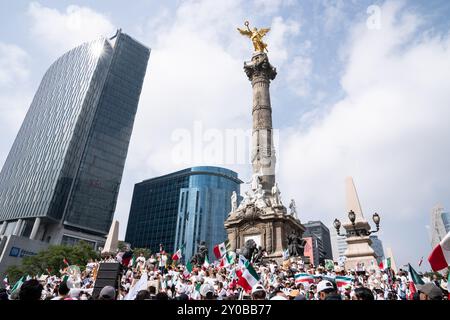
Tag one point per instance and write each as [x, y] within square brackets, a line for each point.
[357, 232]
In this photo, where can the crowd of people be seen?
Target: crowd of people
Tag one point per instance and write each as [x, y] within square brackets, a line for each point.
[154, 279]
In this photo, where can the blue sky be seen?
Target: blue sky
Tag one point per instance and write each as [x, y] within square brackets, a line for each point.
[348, 100]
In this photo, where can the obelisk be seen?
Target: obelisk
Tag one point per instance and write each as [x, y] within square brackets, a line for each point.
[359, 250]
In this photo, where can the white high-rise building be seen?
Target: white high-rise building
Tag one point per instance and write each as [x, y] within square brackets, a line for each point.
[440, 224]
[338, 244]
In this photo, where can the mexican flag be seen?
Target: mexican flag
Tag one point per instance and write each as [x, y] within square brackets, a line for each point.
[385, 264]
[342, 281]
[226, 261]
[247, 278]
[221, 249]
[440, 256]
[414, 276]
[414, 279]
[66, 262]
[177, 255]
[206, 263]
[303, 278]
[188, 269]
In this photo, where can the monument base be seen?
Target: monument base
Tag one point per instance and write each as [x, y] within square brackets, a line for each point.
[360, 254]
[268, 227]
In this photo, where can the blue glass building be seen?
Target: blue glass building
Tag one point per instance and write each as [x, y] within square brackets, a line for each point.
[182, 209]
[61, 179]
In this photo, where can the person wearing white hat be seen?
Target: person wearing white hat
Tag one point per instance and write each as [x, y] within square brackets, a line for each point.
[258, 292]
[326, 291]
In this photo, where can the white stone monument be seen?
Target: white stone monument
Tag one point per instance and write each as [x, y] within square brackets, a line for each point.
[358, 246]
[112, 241]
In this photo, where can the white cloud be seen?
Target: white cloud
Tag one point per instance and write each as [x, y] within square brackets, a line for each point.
[60, 31]
[270, 7]
[388, 132]
[333, 14]
[281, 31]
[298, 74]
[13, 60]
[14, 92]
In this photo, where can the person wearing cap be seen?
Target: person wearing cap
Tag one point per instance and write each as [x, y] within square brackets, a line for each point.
[258, 292]
[429, 291]
[327, 291]
[207, 292]
[107, 293]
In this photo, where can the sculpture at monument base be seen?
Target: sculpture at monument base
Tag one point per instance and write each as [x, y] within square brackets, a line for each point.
[296, 245]
[248, 249]
[198, 259]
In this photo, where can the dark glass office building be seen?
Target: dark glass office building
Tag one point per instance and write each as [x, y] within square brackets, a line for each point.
[61, 179]
[182, 209]
[321, 241]
[377, 246]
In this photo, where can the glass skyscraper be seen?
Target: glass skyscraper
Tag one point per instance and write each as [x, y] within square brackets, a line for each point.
[322, 241]
[182, 209]
[62, 176]
[377, 246]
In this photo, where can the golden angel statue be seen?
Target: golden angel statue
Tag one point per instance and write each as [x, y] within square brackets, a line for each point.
[256, 36]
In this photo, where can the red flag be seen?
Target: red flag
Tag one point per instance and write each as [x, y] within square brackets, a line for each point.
[440, 256]
[66, 262]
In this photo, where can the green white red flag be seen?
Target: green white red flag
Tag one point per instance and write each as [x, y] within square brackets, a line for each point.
[248, 277]
[342, 281]
[226, 260]
[206, 263]
[187, 271]
[221, 249]
[440, 256]
[385, 264]
[177, 255]
[303, 278]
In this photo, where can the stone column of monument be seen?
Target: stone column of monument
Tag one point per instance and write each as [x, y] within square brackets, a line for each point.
[260, 72]
[358, 246]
